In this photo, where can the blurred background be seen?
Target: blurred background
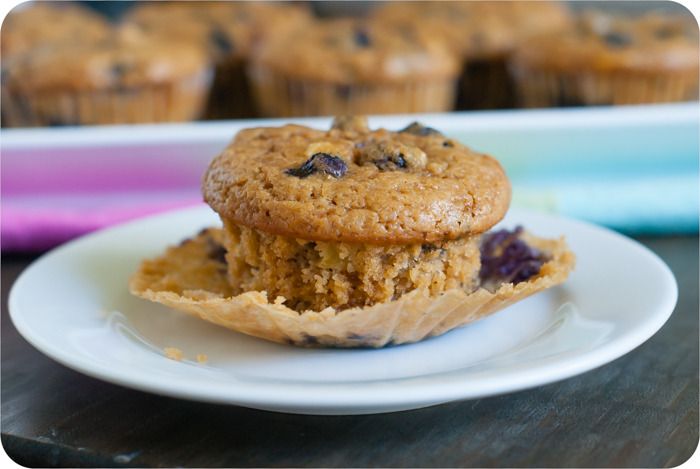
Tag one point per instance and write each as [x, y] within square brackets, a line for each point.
[111, 110]
[87, 63]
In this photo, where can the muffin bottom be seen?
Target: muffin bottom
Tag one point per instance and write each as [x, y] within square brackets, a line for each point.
[544, 88]
[313, 275]
[280, 96]
[192, 278]
[177, 101]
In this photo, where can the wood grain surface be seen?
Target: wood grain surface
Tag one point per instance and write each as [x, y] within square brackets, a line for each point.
[638, 411]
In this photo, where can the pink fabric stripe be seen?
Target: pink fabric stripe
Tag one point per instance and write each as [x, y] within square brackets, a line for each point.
[102, 169]
[38, 224]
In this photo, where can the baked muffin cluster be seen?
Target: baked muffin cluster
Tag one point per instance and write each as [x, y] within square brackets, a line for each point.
[163, 61]
[482, 35]
[231, 33]
[352, 237]
[273, 59]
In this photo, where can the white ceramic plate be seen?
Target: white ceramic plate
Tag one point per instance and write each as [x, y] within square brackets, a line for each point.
[73, 305]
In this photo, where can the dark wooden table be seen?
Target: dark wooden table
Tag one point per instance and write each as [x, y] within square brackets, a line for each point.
[638, 411]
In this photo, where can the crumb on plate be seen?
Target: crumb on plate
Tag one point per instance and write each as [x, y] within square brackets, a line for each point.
[173, 353]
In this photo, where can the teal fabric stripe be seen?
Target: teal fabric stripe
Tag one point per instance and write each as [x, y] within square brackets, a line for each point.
[667, 203]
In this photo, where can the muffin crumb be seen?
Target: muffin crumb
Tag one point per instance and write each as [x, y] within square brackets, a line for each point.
[280, 300]
[174, 353]
[351, 123]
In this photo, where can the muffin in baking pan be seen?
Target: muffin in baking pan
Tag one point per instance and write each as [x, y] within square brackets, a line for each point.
[353, 66]
[609, 59]
[128, 77]
[352, 237]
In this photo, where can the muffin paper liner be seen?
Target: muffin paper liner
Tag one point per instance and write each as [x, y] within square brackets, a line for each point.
[230, 96]
[486, 84]
[277, 95]
[176, 101]
[547, 88]
[188, 278]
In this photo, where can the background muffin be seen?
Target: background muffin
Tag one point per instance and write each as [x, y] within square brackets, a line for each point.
[35, 25]
[126, 78]
[609, 59]
[231, 32]
[38, 24]
[353, 67]
[483, 34]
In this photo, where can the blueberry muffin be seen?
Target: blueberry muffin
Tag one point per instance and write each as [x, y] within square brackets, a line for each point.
[33, 25]
[608, 60]
[125, 78]
[339, 207]
[36, 25]
[483, 35]
[352, 237]
[231, 32]
[354, 66]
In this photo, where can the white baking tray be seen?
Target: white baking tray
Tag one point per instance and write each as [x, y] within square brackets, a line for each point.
[633, 168]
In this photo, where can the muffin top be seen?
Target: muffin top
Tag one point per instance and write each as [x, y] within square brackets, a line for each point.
[606, 42]
[126, 59]
[478, 29]
[38, 24]
[352, 184]
[349, 51]
[226, 29]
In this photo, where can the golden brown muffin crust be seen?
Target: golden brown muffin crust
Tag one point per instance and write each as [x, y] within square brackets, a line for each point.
[354, 185]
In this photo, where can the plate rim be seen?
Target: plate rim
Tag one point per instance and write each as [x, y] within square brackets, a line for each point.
[345, 399]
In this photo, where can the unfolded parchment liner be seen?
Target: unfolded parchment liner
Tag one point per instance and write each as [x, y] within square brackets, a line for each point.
[188, 278]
